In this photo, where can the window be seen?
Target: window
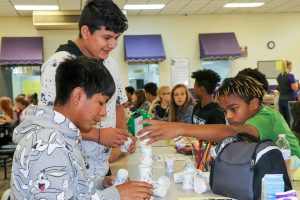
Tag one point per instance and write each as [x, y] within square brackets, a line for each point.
[222, 67]
[141, 73]
[26, 80]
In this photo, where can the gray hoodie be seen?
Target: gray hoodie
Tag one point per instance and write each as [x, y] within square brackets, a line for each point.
[48, 162]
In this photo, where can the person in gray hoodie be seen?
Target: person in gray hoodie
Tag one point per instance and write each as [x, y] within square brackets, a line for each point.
[48, 162]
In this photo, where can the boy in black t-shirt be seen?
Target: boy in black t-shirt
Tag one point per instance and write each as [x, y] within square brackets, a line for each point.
[206, 111]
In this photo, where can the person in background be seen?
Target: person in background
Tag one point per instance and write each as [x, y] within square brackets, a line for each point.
[49, 163]
[21, 104]
[150, 91]
[298, 91]
[33, 99]
[206, 111]
[268, 99]
[287, 87]
[9, 116]
[101, 24]
[139, 101]
[241, 99]
[257, 75]
[8, 120]
[181, 105]
[159, 108]
[129, 92]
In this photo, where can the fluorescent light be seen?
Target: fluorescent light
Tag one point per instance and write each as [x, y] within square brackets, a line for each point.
[143, 6]
[36, 7]
[243, 5]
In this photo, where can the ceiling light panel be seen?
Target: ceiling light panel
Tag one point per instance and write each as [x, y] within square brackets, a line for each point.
[143, 6]
[36, 7]
[243, 5]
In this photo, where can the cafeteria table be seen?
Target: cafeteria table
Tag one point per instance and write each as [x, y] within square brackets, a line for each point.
[161, 150]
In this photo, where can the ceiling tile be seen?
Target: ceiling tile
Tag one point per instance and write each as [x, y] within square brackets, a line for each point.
[173, 7]
[69, 5]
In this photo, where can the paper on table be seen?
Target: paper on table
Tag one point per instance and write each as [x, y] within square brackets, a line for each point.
[203, 198]
[163, 157]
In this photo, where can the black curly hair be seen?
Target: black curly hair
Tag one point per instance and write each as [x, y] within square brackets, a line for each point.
[98, 14]
[254, 73]
[207, 78]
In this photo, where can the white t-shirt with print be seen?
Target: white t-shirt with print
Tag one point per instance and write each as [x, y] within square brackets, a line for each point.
[97, 155]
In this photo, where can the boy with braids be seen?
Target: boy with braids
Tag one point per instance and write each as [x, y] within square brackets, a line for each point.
[241, 99]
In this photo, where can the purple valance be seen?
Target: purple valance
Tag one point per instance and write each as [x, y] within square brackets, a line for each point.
[21, 51]
[219, 46]
[144, 48]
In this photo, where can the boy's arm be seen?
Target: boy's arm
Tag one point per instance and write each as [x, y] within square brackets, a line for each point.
[120, 117]
[111, 137]
[211, 132]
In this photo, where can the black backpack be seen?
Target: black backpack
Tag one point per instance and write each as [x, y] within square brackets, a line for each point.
[240, 166]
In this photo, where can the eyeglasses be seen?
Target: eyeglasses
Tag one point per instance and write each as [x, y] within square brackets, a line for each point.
[167, 93]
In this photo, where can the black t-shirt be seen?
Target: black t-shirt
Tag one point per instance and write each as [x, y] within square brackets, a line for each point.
[160, 113]
[210, 114]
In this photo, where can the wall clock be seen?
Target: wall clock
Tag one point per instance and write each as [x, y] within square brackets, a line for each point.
[271, 44]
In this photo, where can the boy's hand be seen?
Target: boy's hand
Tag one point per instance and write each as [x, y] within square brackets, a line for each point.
[135, 190]
[113, 137]
[108, 181]
[132, 147]
[160, 130]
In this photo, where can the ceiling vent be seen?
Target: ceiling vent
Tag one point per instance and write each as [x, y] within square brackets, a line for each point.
[55, 19]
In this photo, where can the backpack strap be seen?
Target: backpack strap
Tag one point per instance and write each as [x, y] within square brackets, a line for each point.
[243, 135]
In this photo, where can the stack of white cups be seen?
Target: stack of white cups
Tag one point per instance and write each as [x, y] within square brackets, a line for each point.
[145, 167]
[201, 182]
[186, 177]
[122, 176]
[161, 186]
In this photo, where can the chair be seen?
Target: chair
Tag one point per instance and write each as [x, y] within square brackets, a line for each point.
[5, 195]
[4, 159]
[6, 155]
[294, 111]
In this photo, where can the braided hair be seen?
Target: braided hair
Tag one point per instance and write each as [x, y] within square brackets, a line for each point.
[245, 87]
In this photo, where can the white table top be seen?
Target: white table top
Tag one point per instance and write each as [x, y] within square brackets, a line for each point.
[131, 162]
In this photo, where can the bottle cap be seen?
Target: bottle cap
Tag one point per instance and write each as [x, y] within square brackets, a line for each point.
[123, 173]
[281, 135]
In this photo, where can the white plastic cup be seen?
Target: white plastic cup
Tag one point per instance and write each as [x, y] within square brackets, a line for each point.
[188, 163]
[145, 174]
[144, 142]
[169, 164]
[146, 155]
[189, 167]
[200, 185]
[178, 177]
[124, 148]
[159, 190]
[164, 181]
[188, 181]
[206, 176]
[122, 176]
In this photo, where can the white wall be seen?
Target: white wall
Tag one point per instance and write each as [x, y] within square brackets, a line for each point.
[180, 37]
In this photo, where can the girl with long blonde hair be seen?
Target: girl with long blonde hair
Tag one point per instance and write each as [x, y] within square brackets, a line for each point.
[181, 105]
